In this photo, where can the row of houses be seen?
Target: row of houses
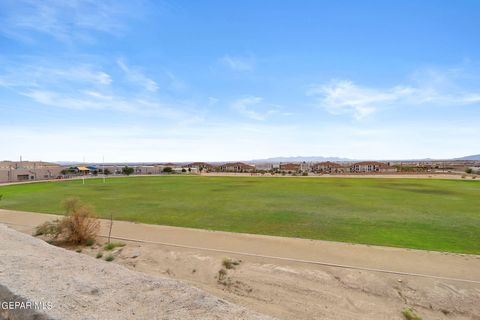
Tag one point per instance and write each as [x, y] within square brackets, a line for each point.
[31, 171]
[358, 167]
[321, 167]
[329, 167]
[241, 167]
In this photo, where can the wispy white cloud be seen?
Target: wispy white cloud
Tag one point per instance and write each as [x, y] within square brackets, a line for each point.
[136, 76]
[85, 87]
[339, 97]
[432, 88]
[238, 63]
[91, 100]
[66, 21]
[471, 98]
[36, 74]
[253, 108]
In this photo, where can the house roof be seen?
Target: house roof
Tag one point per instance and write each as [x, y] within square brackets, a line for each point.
[290, 166]
[197, 164]
[237, 164]
[328, 164]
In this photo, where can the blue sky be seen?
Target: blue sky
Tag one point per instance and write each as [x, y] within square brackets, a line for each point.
[231, 80]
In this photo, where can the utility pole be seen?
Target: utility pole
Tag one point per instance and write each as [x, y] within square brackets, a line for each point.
[111, 225]
[83, 174]
[103, 168]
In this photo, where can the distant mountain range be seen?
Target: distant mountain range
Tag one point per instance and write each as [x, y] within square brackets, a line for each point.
[472, 157]
[337, 159]
[475, 157]
[300, 159]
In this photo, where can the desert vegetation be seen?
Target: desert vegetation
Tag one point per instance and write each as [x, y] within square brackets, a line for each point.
[109, 258]
[230, 263]
[78, 226]
[112, 245]
[410, 314]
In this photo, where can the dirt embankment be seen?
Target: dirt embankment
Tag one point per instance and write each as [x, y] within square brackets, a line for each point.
[289, 290]
[68, 285]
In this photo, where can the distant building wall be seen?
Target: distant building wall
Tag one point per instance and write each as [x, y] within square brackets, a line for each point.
[371, 166]
[146, 170]
[264, 166]
[236, 167]
[327, 167]
[16, 175]
[199, 166]
[293, 167]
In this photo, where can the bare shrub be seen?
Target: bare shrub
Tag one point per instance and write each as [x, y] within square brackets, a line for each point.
[222, 274]
[50, 229]
[80, 223]
[230, 263]
[77, 227]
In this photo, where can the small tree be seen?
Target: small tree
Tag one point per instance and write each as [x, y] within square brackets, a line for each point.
[469, 170]
[107, 172]
[127, 170]
[168, 170]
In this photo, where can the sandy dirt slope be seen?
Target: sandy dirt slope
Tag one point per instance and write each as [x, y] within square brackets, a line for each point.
[288, 290]
[80, 287]
[293, 290]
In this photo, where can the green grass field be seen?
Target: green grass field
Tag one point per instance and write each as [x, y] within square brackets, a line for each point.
[416, 213]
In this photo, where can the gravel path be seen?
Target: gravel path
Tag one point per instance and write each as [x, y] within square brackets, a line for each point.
[80, 287]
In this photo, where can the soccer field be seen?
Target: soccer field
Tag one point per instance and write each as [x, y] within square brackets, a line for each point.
[415, 213]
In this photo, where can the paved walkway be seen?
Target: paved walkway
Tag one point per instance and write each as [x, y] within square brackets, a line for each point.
[435, 264]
